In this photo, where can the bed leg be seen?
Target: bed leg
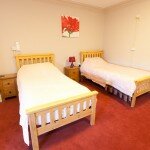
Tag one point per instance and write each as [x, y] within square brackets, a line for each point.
[133, 101]
[92, 117]
[33, 130]
[106, 87]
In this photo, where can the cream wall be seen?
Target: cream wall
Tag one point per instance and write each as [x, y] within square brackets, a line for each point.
[127, 26]
[36, 25]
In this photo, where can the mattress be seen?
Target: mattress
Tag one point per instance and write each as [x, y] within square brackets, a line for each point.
[43, 83]
[120, 77]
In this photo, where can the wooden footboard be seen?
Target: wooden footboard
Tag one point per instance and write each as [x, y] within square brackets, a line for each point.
[42, 111]
[142, 86]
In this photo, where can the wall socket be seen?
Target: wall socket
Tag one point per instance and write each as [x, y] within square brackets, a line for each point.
[132, 49]
[137, 17]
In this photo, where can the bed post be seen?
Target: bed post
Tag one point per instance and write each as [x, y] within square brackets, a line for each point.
[133, 100]
[92, 117]
[33, 130]
[106, 87]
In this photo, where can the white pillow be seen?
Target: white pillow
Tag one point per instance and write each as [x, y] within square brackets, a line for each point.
[38, 69]
[95, 61]
[91, 63]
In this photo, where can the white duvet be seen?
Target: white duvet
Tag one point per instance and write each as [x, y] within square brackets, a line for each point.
[40, 84]
[122, 78]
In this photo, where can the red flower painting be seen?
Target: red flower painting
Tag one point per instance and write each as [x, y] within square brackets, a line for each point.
[70, 26]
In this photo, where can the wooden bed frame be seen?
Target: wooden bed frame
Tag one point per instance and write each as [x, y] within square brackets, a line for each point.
[142, 84]
[42, 110]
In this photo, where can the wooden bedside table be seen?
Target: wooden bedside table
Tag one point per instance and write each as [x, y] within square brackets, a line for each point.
[8, 87]
[72, 73]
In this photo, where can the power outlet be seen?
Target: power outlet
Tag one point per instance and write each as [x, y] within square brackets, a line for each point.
[132, 49]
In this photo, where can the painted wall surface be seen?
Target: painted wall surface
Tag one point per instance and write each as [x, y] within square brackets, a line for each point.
[125, 27]
[36, 24]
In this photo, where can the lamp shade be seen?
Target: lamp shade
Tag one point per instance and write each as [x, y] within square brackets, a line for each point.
[72, 59]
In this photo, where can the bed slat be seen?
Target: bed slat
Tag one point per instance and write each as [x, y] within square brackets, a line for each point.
[69, 118]
[32, 59]
[90, 54]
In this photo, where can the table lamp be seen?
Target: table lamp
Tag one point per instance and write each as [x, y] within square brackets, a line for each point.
[72, 59]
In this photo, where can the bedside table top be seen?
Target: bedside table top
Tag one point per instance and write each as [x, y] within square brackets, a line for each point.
[8, 76]
[75, 67]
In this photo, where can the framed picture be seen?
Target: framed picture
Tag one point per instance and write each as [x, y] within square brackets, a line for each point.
[70, 26]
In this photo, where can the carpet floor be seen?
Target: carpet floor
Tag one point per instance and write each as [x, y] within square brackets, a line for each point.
[118, 127]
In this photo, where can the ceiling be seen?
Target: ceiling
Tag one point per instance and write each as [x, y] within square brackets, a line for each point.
[98, 3]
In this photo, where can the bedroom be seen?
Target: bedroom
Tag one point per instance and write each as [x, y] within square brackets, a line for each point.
[36, 24]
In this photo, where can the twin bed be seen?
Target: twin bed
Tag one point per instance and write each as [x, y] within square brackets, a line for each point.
[124, 81]
[48, 98]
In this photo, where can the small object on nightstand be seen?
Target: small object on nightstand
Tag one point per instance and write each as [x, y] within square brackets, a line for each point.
[72, 60]
[2, 76]
[72, 73]
[8, 87]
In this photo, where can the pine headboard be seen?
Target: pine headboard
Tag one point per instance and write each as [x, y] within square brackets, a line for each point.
[90, 54]
[33, 58]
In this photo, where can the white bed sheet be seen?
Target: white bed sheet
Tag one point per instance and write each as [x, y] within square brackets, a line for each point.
[43, 83]
[122, 78]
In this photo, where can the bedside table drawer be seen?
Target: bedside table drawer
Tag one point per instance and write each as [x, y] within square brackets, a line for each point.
[0, 85]
[76, 78]
[74, 72]
[8, 86]
[8, 82]
[10, 92]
